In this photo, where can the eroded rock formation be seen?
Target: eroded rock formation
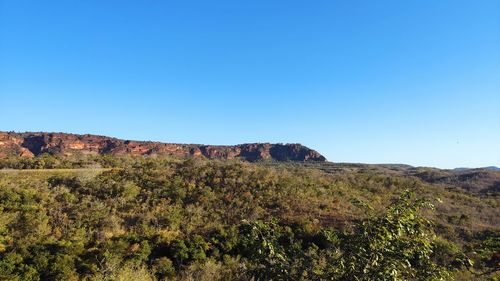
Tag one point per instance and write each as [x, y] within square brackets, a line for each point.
[33, 144]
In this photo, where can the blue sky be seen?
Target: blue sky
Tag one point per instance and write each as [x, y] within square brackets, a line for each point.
[414, 82]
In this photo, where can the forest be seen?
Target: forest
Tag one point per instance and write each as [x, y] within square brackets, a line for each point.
[139, 218]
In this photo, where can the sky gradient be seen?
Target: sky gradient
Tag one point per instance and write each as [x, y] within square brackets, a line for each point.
[415, 82]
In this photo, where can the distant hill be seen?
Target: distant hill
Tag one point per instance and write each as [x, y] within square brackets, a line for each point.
[31, 144]
[491, 168]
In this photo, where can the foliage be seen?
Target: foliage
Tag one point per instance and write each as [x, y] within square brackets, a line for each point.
[158, 219]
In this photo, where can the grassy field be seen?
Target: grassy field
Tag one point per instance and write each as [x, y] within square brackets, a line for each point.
[67, 171]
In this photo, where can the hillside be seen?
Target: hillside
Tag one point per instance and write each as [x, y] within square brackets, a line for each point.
[86, 207]
[33, 144]
[106, 217]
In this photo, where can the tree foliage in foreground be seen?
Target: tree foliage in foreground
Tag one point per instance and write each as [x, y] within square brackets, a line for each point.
[395, 246]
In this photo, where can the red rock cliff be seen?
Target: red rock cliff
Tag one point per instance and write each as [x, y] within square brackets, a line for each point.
[33, 144]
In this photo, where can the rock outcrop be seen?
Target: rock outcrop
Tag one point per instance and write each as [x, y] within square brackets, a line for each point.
[33, 144]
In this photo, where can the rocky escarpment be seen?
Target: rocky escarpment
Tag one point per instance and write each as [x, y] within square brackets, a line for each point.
[34, 144]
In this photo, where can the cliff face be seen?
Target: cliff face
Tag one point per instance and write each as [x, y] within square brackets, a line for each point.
[33, 144]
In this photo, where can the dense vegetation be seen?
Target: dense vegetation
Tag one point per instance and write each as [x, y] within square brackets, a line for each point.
[167, 219]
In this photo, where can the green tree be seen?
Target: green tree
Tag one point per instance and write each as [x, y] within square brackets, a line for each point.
[395, 246]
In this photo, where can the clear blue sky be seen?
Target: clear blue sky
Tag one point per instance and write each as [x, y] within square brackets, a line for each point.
[414, 82]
